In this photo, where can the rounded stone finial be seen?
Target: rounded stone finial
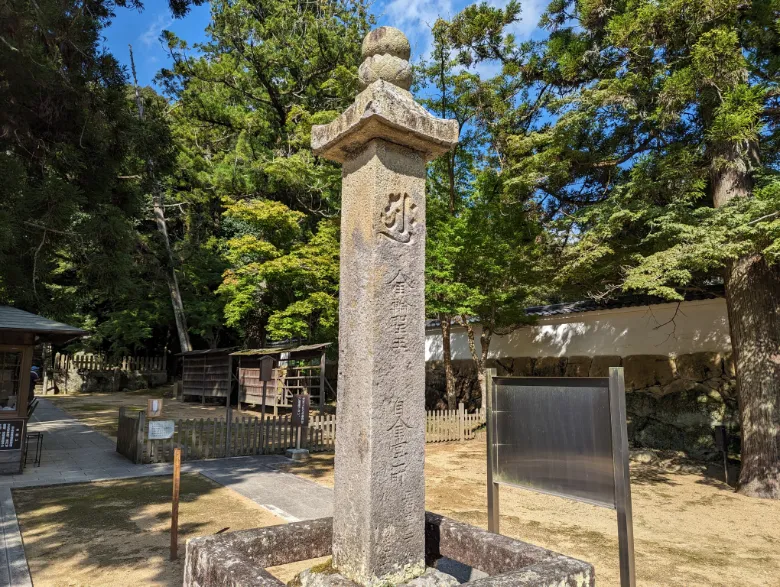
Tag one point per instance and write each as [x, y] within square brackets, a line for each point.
[386, 53]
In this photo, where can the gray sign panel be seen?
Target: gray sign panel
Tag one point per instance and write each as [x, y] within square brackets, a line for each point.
[554, 435]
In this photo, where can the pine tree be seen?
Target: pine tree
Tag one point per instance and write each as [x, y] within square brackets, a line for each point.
[657, 159]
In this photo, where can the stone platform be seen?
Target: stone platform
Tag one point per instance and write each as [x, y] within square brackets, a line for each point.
[239, 558]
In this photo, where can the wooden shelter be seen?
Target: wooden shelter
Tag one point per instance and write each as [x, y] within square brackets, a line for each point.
[297, 370]
[20, 332]
[205, 373]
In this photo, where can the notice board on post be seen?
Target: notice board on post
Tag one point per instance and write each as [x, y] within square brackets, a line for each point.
[563, 436]
[553, 435]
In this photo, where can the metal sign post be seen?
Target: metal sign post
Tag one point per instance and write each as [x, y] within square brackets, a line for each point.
[563, 436]
[617, 412]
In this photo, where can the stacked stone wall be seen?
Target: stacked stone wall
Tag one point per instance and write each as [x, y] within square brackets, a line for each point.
[75, 380]
[672, 402]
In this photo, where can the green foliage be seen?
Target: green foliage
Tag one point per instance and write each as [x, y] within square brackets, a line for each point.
[66, 214]
[637, 105]
[246, 178]
[483, 251]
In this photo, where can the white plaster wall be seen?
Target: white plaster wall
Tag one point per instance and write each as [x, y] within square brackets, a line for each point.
[644, 330]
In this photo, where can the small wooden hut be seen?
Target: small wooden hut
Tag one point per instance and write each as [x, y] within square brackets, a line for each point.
[20, 332]
[297, 370]
[205, 373]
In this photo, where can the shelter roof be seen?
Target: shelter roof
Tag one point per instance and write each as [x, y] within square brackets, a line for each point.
[279, 350]
[13, 319]
[223, 351]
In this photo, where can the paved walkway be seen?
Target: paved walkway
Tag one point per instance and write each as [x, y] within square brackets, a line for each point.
[74, 453]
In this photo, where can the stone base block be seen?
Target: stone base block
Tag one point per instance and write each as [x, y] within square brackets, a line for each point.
[313, 578]
[240, 558]
[297, 454]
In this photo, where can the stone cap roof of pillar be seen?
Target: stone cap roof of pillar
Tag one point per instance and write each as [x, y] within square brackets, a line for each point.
[384, 111]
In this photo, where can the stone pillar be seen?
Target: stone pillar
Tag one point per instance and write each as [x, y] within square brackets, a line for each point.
[383, 141]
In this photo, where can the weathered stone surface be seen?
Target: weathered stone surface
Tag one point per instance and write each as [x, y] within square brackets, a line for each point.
[380, 440]
[550, 367]
[238, 559]
[505, 560]
[647, 370]
[578, 367]
[599, 366]
[699, 366]
[523, 366]
[385, 67]
[386, 40]
[330, 578]
[383, 140]
[729, 368]
[433, 578]
[384, 111]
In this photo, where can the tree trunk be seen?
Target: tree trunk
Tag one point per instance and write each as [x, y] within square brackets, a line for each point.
[446, 349]
[170, 274]
[753, 301]
[159, 218]
[480, 359]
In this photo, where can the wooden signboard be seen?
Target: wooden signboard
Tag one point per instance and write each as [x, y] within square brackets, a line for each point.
[266, 369]
[11, 434]
[161, 429]
[154, 408]
[300, 410]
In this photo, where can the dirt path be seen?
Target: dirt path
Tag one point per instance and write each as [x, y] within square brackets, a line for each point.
[690, 529]
[117, 532]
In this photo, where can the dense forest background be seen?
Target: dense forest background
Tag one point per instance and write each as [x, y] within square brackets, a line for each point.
[633, 147]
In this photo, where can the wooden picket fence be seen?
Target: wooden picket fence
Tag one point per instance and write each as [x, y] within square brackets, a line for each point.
[92, 362]
[213, 438]
[452, 425]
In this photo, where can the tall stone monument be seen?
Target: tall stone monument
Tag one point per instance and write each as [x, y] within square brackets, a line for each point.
[380, 534]
[383, 141]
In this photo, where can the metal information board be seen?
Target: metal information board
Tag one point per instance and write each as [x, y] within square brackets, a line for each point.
[11, 434]
[564, 436]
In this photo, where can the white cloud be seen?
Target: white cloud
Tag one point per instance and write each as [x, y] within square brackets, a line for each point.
[152, 33]
[416, 17]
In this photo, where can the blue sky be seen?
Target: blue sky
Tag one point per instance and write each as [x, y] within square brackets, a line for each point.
[142, 29]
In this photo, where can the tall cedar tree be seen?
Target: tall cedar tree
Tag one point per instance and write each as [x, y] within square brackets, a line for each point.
[66, 216]
[658, 156]
[252, 188]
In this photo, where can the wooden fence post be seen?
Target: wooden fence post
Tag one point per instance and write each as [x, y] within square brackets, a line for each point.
[461, 421]
[140, 432]
[175, 504]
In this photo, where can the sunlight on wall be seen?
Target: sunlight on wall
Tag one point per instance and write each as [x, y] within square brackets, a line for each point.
[662, 329]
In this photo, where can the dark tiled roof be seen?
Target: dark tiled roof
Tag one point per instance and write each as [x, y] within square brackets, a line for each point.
[21, 321]
[625, 301]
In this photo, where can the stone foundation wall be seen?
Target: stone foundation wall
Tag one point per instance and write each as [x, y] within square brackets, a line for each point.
[672, 403]
[106, 380]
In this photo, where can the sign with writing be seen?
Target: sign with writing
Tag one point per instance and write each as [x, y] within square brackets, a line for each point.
[11, 434]
[161, 429]
[154, 408]
[300, 413]
[266, 368]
